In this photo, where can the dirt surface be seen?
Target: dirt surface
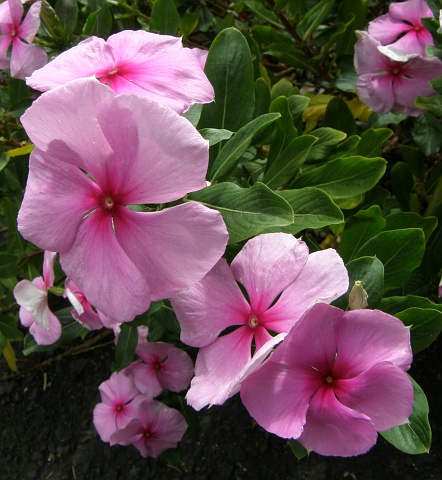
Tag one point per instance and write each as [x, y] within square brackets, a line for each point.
[47, 434]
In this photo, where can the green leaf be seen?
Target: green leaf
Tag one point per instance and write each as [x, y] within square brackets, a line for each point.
[402, 183]
[229, 68]
[298, 450]
[364, 225]
[328, 138]
[71, 329]
[289, 55]
[262, 94]
[3, 342]
[312, 207]
[9, 328]
[432, 104]
[165, 18]
[51, 22]
[247, 212]
[427, 133]
[67, 12]
[231, 152]
[101, 20]
[8, 265]
[355, 10]
[398, 220]
[127, 343]
[314, 17]
[425, 323]
[393, 305]
[372, 141]
[215, 135]
[413, 437]
[339, 117]
[297, 104]
[194, 113]
[344, 177]
[286, 166]
[400, 251]
[369, 271]
[262, 12]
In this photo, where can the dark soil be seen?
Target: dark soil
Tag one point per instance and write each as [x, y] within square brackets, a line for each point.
[47, 434]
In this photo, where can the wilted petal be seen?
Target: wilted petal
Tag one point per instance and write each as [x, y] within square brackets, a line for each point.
[335, 430]
[384, 393]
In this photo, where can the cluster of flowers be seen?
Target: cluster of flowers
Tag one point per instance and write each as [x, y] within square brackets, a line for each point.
[391, 61]
[110, 144]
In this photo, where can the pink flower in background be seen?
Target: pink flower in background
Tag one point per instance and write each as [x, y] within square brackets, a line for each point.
[155, 429]
[281, 280]
[402, 29]
[336, 379]
[137, 62]
[163, 366]
[391, 80]
[97, 154]
[119, 401]
[34, 312]
[25, 58]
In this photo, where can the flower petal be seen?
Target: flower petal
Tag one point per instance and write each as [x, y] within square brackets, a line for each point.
[30, 24]
[386, 28]
[33, 297]
[376, 91]
[42, 335]
[26, 58]
[5, 41]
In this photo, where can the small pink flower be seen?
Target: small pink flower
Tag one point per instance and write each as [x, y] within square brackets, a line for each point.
[137, 62]
[119, 401]
[155, 429]
[401, 28]
[281, 280]
[25, 58]
[34, 312]
[391, 80]
[97, 154]
[163, 366]
[336, 379]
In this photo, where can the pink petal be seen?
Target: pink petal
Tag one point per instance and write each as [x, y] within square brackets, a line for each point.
[266, 265]
[217, 365]
[368, 59]
[323, 279]
[145, 378]
[136, 169]
[60, 194]
[384, 393]
[81, 61]
[64, 124]
[386, 29]
[410, 11]
[16, 11]
[48, 267]
[26, 58]
[5, 14]
[5, 41]
[99, 266]
[367, 337]
[210, 306]
[42, 335]
[30, 24]
[119, 388]
[183, 243]
[33, 297]
[414, 42]
[277, 396]
[333, 429]
[376, 91]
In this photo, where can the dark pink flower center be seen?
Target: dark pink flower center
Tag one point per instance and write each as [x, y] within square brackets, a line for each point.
[108, 203]
[147, 434]
[253, 321]
[119, 408]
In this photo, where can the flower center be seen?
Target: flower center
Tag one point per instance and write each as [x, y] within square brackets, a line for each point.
[108, 203]
[147, 434]
[329, 379]
[112, 72]
[253, 321]
[119, 408]
[395, 71]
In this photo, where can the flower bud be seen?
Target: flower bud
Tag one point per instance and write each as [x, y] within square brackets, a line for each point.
[358, 297]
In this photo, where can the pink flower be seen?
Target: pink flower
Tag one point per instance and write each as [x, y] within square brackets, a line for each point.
[281, 280]
[138, 62]
[336, 379]
[34, 312]
[163, 366]
[391, 80]
[402, 28]
[119, 401]
[155, 429]
[97, 154]
[25, 58]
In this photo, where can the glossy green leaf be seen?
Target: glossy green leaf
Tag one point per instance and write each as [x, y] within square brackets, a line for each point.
[393, 305]
[344, 177]
[298, 450]
[9, 328]
[427, 133]
[398, 220]
[339, 117]
[127, 343]
[364, 225]
[312, 208]
[355, 10]
[247, 212]
[432, 104]
[231, 152]
[328, 139]
[165, 18]
[289, 55]
[215, 135]
[262, 12]
[67, 12]
[287, 164]
[314, 17]
[400, 251]
[413, 437]
[297, 105]
[369, 271]
[229, 68]
[372, 141]
[262, 95]
[425, 323]
[402, 183]
[347, 148]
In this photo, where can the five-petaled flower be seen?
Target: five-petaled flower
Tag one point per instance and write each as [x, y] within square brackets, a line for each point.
[336, 379]
[281, 280]
[97, 154]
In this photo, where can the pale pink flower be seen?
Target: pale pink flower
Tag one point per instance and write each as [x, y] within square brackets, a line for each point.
[34, 312]
[137, 62]
[281, 280]
[155, 429]
[97, 154]
[391, 80]
[163, 366]
[335, 381]
[25, 58]
[119, 401]
[402, 29]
